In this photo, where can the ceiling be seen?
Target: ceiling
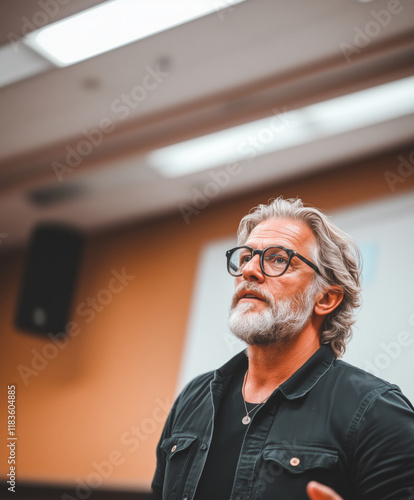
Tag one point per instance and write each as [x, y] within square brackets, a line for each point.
[224, 69]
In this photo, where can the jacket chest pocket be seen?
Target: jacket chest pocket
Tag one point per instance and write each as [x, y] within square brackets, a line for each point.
[179, 450]
[285, 470]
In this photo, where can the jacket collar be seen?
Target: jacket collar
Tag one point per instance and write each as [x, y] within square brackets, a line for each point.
[297, 385]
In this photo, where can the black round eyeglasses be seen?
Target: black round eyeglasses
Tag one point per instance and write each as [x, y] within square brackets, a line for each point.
[274, 260]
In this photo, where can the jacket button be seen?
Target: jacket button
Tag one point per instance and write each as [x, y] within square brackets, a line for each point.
[173, 449]
[294, 461]
[203, 447]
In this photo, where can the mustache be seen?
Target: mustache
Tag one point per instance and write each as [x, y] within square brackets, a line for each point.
[253, 287]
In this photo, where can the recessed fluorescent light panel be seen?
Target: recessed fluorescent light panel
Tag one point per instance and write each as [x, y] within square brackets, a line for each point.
[113, 24]
[284, 130]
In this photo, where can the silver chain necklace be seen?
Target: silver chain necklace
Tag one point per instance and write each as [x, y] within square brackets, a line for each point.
[246, 419]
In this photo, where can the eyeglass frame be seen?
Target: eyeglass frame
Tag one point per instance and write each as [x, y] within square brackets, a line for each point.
[291, 254]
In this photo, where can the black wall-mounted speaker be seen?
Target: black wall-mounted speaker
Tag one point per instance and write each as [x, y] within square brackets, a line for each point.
[49, 279]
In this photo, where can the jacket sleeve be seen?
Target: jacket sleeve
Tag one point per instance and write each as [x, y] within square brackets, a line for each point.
[383, 448]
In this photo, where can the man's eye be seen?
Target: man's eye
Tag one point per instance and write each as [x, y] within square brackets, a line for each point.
[244, 259]
[276, 259]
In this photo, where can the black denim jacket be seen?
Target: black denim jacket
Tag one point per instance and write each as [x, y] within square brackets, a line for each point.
[330, 422]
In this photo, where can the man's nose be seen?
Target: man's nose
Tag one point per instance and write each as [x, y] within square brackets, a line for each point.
[252, 270]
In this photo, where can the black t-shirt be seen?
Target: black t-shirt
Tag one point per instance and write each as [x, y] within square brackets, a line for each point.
[216, 481]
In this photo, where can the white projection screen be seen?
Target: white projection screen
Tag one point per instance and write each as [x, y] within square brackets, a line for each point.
[383, 340]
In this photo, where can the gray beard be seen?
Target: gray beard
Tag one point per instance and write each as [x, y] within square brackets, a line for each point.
[281, 321]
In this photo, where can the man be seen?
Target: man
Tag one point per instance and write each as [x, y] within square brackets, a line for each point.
[286, 419]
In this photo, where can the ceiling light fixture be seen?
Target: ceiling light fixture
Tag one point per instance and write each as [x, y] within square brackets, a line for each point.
[115, 23]
[284, 130]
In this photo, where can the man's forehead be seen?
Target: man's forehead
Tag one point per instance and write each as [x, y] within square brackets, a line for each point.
[282, 231]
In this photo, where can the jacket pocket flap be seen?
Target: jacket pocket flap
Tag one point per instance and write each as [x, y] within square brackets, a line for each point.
[297, 459]
[175, 444]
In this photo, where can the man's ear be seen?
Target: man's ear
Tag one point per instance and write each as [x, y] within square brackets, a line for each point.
[328, 300]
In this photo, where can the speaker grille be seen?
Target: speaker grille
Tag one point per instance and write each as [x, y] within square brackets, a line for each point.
[49, 279]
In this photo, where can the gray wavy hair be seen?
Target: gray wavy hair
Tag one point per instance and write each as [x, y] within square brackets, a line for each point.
[336, 255]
